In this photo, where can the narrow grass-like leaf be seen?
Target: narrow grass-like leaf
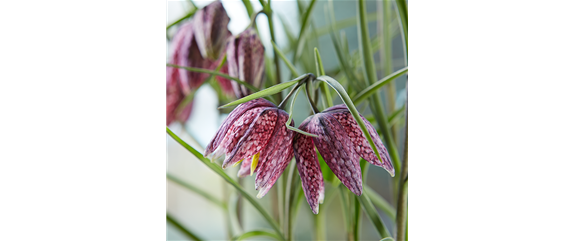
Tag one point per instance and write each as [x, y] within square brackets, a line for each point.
[189, 15]
[269, 91]
[300, 131]
[387, 239]
[349, 103]
[374, 216]
[321, 71]
[380, 202]
[403, 13]
[228, 179]
[196, 190]
[207, 71]
[289, 64]
[302, 31]
[375, 86]
[256, 233]
[181, 228]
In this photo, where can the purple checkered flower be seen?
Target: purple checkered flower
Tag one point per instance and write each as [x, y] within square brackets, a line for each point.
[341, 143]
[255, 134]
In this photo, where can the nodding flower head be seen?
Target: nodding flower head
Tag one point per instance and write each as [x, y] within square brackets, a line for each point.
[211, 31]
[341, 143]
[246, 59]
[255, 134]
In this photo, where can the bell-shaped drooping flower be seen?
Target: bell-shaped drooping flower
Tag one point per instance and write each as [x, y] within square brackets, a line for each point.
[255, 134]
[211, 31]
[246, 59]
[341, 143]
[175, 91]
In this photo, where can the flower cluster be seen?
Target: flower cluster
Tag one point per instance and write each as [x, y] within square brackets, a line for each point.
[201, 43]
[255, 133]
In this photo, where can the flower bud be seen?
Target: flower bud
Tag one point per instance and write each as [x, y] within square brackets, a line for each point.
[246, 60]
[211, 31]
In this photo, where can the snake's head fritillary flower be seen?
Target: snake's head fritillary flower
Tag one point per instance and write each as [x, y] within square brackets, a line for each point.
[174, 98]
[341, 143]
[246, 59]
[211, 31]
[255, 135]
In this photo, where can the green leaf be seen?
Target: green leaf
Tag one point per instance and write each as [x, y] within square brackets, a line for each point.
[256, 233]
[289, 64]
[269, 91]
[375, 86]
[228, 179]
[374, 216]
[347, 100]
[207, 71]
[181, 228]
[387, 239]
[297, 51]
[380, 202]
[189, 15]
[196, 190]
[321, 71]
[300, 131]
[342, 24]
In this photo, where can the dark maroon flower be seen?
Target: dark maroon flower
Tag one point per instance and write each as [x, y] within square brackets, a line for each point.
[246, 59]
[255, 133]
[341, 143]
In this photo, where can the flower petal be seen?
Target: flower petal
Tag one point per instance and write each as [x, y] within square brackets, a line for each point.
[309, 169]
[255, 138]
[362, 146]
[236, 132]
[245, 168]
[189, 56]
[231, 119]
[212, 33]
[275, 156]
[337, 150]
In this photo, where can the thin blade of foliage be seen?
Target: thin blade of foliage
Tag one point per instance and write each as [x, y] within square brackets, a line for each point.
[349, 103]
[300, 131]
[256, 233]
[269, 91]
[297, 51]
[189, 15]
[181, 228]
[207, 71]
[289, 64]
[375, 86]
[228, 179]
[321, 71]
[374, 216]
[403, 13]
[196, 190]
[380, 202]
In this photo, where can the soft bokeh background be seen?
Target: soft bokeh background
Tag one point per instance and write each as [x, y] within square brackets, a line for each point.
[205, 218]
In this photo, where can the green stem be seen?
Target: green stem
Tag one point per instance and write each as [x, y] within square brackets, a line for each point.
[403, 193]
[190, 14]
[357, 227]
[288, 197]
[320, 232]
[345, 206]
[387, 62]
[372, 89]
[248, 7]
[302, 31]
[403, 14]
[181, 228]
[380, 202]
[269, 13]
[309, 98]
[228, 179]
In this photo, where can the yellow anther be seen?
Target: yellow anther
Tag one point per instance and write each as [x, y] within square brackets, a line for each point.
[254, 162]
